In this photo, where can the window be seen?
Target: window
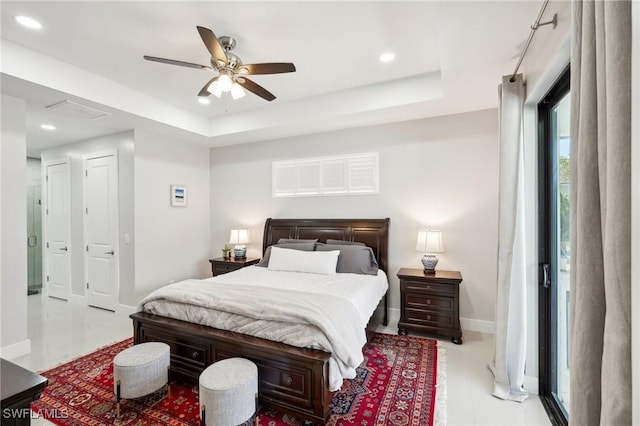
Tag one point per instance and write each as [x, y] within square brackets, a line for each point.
[326, 176]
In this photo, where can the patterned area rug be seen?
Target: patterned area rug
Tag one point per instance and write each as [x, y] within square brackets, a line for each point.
[401, 382]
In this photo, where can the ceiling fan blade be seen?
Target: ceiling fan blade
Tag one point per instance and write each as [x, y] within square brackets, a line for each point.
[204, 91]
[271, 68]
[174, 62]
[213, 44]
[255, 88]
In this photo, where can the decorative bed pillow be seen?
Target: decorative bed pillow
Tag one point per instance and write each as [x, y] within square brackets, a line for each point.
[283, 259]
[308, 246]
[345, 243]
[295, 241]
[353, 259]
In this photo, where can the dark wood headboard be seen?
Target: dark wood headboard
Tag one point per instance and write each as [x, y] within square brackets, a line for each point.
[372, 232]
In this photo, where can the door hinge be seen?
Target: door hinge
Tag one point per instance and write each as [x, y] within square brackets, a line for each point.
[47, 178]
[47, 245]
[86, 173]
[87, 286]
[47, 210]
[47, 278]
[87, 247]
[86, 210]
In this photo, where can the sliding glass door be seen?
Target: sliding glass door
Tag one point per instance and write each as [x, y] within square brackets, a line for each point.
[555, 248]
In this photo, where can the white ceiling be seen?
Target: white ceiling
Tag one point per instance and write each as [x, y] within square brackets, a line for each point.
[450, 56]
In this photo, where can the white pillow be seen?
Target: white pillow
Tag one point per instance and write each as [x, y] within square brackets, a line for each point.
[316, 262]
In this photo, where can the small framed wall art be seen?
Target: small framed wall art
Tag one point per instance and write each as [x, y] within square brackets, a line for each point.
[178, 196]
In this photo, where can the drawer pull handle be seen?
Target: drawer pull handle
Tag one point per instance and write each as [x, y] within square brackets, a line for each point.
[428, 301]
[288, 380]
[195, 354]
[428, 317]
[428, 287]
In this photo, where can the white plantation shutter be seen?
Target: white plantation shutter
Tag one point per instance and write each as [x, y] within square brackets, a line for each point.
[336, 175]
[308, 177]
[363, 174]
[284, 179]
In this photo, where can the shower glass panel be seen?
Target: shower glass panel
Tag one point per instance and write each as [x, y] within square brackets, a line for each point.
[34, 238]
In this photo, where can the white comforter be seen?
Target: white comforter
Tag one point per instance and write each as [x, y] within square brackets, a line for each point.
[327, 312]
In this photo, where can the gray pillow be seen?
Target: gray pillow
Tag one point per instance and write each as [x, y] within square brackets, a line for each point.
[295, 241]
[308, 246]
[345, 243]
[353, 259]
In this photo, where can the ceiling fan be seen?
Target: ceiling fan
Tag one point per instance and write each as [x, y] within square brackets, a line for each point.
[232, 72]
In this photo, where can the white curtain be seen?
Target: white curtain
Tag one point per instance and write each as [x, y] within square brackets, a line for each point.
[511, 323]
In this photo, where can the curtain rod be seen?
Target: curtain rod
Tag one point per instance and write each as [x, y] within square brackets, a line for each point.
[534, 27]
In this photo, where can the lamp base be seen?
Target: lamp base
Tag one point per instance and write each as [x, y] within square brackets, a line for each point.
[429, 261]
[239, 252]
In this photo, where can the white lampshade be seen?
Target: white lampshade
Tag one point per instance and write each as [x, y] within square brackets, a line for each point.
[225, 82]
[239, 236]
[429, 241]
[214, 89]
[237, 91]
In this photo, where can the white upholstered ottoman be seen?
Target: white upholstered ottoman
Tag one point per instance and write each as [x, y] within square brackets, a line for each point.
[140, 370]
[228, 392]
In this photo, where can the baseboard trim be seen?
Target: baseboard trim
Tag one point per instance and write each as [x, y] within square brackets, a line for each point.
[16, 350]
[481, 326]
[531, 384]
[394, 315]
[125, 310]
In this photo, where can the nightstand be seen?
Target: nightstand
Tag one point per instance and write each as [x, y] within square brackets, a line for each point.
[221, 265]
[429, 302]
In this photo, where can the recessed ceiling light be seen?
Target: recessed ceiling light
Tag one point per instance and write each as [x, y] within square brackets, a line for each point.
[387, 57]
[204, 101]
[28, 22]
[48, 126]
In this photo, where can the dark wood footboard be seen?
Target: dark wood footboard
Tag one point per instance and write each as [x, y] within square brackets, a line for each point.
[290, 379]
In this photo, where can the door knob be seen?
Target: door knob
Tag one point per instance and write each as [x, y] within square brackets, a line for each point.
[63, 248]
[110, 252]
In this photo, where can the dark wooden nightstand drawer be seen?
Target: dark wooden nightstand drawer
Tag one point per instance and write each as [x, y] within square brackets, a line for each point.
[429, 302]
[221, 265]
[427, 287]
[420, 317]
[223, 269]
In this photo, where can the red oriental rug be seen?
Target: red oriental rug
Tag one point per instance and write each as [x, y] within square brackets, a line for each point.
[400, 382]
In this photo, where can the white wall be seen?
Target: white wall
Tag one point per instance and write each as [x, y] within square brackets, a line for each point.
[14, 340]
[172, 243]
[124, 143]
[439, 171]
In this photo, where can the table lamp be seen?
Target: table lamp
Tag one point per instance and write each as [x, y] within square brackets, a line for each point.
[429, 242]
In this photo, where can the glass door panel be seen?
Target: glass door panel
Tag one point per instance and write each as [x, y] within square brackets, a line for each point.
[555, 248]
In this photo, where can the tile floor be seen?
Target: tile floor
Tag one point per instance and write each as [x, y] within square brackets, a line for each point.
[60, 331]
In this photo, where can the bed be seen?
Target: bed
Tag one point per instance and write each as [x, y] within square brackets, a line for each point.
[291, 379]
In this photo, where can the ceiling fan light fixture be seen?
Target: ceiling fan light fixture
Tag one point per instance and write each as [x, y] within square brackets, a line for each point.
[225, 82]
[203, 101]
[237, 91]
[214, 89]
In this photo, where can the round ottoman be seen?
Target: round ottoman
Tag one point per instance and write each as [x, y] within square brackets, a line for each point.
[140, 370]
[228, 392]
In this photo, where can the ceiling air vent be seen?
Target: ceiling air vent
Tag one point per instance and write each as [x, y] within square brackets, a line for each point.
[77, 110]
